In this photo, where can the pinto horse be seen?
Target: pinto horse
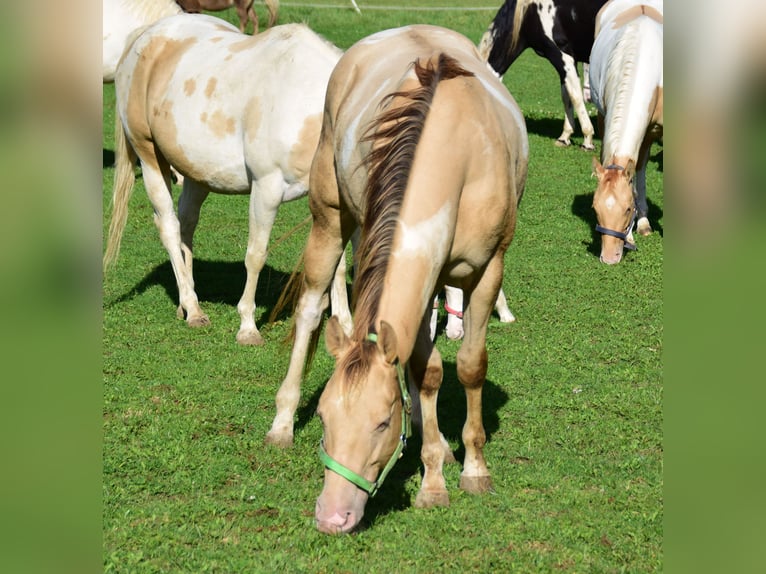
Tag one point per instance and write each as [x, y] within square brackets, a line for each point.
[244, 10]
[626, 85]
[121, 18]
[560, 31]
[235, 114]
[424, 148]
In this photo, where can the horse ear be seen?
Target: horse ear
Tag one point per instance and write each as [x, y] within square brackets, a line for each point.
[598, 169]
[387, 342]
[335, 338]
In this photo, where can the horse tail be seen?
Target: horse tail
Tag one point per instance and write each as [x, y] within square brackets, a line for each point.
[124, 178]
[273, 7]
[518, 20]
[394, 135]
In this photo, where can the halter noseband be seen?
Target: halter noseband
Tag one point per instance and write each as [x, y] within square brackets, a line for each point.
[620, 234]
[372, 487]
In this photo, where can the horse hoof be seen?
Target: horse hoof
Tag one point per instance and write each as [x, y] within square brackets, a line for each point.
[588, 147]
[180, 312]
[643, 227]
[198, 321]
[476, 484]
[278, 439]
[430, 499]
[563, 143]
[253, 338]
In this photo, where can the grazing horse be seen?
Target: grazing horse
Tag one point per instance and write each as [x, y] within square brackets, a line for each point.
[626, 85]
[424, 148]
[235, 114]
[453, 305]
[560, 31]
[244, 10]
[123, 17]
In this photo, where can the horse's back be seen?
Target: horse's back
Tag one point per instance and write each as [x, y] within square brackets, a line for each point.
[617, 20]
[381, 64]
[222, 105]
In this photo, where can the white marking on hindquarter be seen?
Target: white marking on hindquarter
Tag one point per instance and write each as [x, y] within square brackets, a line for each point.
[427, 238]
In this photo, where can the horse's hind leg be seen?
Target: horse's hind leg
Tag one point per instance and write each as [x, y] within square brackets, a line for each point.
[574, 91]
[189, 204]
[472, 372]
[156, 176]
[427, 372]
[323, 250]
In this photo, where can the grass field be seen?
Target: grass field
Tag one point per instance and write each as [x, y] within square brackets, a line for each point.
[573, 400]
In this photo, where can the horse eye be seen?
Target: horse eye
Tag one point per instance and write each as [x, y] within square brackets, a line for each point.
[384, 425]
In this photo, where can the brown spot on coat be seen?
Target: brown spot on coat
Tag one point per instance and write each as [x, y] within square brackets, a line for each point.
[221, 124]
[302, 153]
[189, 86]
[210, 88]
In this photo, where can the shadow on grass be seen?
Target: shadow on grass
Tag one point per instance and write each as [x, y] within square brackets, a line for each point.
[216, 282]
[451, 410]
[108, 158]
[550, 128]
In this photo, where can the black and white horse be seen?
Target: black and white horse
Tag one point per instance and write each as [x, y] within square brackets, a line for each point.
[559, 30]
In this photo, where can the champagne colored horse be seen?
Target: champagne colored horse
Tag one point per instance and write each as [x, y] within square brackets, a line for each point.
[424, 148]
[235, 114]
[626, 86]
[244, 10]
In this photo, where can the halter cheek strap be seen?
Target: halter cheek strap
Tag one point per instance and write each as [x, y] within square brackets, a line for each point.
[372, 487]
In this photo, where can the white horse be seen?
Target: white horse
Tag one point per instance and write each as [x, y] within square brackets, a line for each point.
[235, 114]
[626, 78]
[123, 17]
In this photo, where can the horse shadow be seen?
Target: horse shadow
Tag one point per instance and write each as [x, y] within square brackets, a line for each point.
[214, 282]
[451, 410]
[108, 158]
[550, 128]
[582, 207]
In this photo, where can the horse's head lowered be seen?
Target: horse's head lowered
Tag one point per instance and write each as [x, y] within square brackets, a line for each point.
[615, 207]
[367, 393]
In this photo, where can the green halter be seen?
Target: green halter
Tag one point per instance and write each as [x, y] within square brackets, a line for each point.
[372, 487]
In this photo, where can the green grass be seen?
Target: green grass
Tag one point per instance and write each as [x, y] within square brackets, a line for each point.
[572, 401]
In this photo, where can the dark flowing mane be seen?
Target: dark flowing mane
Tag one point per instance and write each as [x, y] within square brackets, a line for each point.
[394, 134]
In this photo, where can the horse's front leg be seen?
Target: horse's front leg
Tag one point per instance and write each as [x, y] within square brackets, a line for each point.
[265, 199]
[642, 225]
[426, 369]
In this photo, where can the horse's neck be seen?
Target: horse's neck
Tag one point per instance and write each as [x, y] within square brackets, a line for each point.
[630, 88]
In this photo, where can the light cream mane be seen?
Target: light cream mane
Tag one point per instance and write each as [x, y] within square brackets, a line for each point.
[152, 10]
